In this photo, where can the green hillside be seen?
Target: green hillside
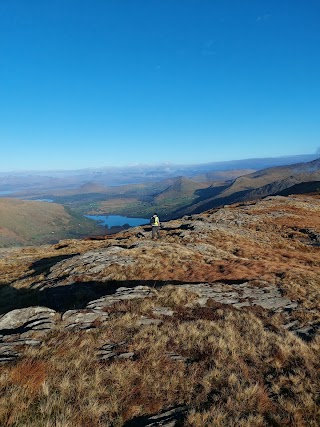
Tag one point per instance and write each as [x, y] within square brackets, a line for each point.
[32, 222]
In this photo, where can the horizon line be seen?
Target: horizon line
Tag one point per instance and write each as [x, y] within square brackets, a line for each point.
[154, 165]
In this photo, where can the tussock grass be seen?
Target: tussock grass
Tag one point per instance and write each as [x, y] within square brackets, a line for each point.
[239, 372]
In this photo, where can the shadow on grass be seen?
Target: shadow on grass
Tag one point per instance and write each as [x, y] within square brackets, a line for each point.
[68, 297]
[43, 265]
[170, 417]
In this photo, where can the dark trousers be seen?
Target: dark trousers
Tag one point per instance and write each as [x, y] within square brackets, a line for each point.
[155, 231]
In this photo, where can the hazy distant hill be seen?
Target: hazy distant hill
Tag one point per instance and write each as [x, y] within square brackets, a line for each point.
[176, 196]
[222, 175]
[302, 188]
[180, 187]
[25, 222]
[137, 174]
[89, 187]
[272, 175]
[287, 184]
[259, 184]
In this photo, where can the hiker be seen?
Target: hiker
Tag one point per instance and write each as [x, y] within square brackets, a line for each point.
[155, 225]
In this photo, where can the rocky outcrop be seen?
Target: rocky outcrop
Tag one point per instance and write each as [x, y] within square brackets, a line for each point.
[92, 263]
[29, 326]
[83, 319]
[169, 418]
[121, 294]
[24, 327]
[25, 319]
[242, 295]
[111, 351]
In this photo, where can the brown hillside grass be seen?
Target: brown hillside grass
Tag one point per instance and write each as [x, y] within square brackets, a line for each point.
[238, 367]
[239, 373]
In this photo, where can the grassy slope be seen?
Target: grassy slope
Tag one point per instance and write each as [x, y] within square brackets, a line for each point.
[270, 175]
[30, 222]
[246, 370]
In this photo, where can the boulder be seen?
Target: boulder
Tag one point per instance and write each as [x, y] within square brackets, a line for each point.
[28, 318]
[83, 319]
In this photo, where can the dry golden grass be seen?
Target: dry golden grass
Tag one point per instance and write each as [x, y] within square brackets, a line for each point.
[241, 373]
[242, 368]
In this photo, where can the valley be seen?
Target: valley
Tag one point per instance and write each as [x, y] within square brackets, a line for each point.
[171, 198]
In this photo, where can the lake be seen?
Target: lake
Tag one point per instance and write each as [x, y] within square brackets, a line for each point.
[5, 192]
[118, 220]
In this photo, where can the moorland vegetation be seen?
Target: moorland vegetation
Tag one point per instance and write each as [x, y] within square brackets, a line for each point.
[214, 324]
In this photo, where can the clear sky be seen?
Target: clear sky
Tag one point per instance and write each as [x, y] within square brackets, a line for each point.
[116, 82]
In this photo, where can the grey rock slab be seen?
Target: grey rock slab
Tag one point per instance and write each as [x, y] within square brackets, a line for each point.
[243, 295]
[33, 343]
[108, 347]
[92, 262]
[249, 293]
[202, 301]
[110, 355]
[45, 326]
[5, 358]
[19, 317]
[34, 334]
[34, 324]
[20, 342]
[163, 311]
[167, 418]
[228, 301]
[271, 303]
[97, 269]
[82, 326]
[128, 355]
[11, 338]
[230, 294]
[291, 325]
[107, 356]
[10, 351]
[122, 294]
[77, 317]
[146, 321]
[291, 306]
[103, 303]
[177, 357]
[110, 351]
[242, 304]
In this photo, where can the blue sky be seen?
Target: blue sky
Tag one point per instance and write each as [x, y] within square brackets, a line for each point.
[118, 82]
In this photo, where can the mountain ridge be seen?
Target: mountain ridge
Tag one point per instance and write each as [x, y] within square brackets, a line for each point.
[258, 184]
[134, 174]
[176, 196]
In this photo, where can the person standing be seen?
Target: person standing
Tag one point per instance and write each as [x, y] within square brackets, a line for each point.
[155, 225]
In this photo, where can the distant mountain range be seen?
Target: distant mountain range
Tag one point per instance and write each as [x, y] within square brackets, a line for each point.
[36, 222]
[114, 176]
[175, 197]
[270, 181]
